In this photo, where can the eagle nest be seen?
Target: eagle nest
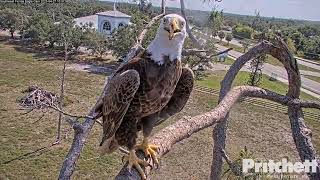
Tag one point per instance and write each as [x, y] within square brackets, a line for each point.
[38, 98]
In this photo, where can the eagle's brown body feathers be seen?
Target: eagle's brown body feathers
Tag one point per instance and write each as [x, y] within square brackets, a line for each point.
[141, 95]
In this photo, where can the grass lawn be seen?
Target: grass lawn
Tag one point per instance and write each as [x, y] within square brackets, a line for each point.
[235, 47]
[314, 78]
[274, 61]
[228, 61]
[213, 81]
[21, 134]
[270, 59]
[266, 133]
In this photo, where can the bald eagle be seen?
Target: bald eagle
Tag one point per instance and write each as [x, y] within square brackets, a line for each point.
[146, 91]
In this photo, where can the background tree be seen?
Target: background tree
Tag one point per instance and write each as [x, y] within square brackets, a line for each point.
[97, 43]
[221, 35]
[291, 45]
[311, 47]
[245, 44]
[215, 21]
[242, 31]
[258, 24]
[256, 66]
[68, 36]
[122, 39]
[41, 28]
[229, 37]
[11, 20]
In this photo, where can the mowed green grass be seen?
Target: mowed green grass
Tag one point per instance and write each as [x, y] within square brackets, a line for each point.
[214, 79]
[270, 59]
[21, 134]
[314, 78]
[266, 133]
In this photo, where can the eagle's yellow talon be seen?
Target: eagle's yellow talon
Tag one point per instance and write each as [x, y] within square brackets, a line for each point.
[149, 150]
[154, 147]
[134, 161]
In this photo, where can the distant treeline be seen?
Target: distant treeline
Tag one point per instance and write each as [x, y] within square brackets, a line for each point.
[303, 37]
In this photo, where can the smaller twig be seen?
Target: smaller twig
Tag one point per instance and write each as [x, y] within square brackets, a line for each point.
[28, 111]
[202, 53]
[234, 167]
[28, 154]
[39, 118]
[121, 149]
[188, 52]
[68, 114]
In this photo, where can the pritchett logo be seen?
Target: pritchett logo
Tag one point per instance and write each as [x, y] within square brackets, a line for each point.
[279, 167]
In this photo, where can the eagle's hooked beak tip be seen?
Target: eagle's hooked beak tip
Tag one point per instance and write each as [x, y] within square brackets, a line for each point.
[174, 29]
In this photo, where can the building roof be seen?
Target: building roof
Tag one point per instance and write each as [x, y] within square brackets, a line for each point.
[87, 19]
[114, 14]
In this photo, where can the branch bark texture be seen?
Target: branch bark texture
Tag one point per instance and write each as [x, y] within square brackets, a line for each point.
[301, 134]
[185, 127]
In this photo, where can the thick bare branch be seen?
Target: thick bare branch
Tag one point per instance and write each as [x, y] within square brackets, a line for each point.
[189, 31]
[301, 134]
[185, 127]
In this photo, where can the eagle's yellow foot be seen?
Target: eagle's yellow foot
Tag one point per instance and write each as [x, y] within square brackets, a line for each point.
[149, 150]
[134, 161]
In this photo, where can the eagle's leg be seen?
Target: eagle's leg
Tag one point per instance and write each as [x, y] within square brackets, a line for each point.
[149, 150]
[134, 161]
[126, 135]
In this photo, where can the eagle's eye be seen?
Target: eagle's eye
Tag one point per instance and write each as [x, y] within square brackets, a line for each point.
[181, 23]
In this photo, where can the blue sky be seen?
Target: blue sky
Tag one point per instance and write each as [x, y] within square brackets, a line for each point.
[294, 9]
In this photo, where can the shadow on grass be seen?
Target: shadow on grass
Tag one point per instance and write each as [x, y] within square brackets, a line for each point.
[36, 152]
[78, 61]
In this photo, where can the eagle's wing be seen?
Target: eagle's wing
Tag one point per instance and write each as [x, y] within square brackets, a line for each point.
[120, 92]
[180, 96]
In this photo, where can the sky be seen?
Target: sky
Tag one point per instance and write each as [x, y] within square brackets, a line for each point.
[292, 9]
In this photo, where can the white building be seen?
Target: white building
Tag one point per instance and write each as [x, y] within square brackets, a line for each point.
[105, 22]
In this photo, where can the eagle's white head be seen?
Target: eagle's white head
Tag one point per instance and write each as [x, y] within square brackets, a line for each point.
[169, 39]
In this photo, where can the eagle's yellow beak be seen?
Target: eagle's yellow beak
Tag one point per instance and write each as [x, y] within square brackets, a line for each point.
[174, 28]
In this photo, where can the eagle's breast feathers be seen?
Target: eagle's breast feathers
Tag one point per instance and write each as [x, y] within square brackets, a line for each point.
[157, 84]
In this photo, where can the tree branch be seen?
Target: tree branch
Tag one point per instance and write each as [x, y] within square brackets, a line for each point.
[189, 31]
[301, 134]
[185, 127]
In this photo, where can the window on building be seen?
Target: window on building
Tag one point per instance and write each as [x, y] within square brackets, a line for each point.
[121, 25]
[107, 26]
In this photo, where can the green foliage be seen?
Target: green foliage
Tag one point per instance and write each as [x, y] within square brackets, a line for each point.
[221, 35]
[123, 39]
[256, 66]
[229, 37]
[258, 24]
[309, 31]
[11, 19]
[311, 47]
[215, 21]
[97, 42]
[242, 32]
[245, 44]
[40, 28]
[291, 45]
